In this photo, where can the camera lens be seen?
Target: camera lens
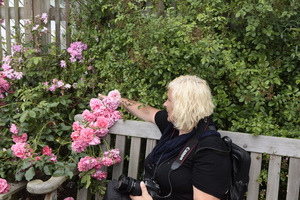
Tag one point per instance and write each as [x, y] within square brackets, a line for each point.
[129, 185]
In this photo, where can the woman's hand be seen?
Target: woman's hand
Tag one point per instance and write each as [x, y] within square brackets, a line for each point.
[145, 194]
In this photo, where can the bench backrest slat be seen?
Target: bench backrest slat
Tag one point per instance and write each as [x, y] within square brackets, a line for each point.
[255, 168]
[273, 177]
[120, 144]
[293, 179]
[134, 157]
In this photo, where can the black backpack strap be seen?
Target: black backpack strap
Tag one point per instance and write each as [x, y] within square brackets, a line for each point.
[186, 150]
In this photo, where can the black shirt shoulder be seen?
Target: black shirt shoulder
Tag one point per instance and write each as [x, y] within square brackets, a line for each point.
[161, 120]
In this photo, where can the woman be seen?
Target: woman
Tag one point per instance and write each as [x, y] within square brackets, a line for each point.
[204, 175]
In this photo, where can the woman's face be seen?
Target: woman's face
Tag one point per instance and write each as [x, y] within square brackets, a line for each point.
[169, 105]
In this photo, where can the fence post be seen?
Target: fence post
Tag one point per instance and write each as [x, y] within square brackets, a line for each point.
[7, 27]
[28, 13]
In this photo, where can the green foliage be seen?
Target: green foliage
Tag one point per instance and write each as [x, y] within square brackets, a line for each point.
[246, 50]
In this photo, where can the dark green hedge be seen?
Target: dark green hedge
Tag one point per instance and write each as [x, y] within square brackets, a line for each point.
[246, 50]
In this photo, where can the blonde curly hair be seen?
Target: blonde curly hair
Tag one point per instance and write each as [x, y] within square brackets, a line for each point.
[192, 101]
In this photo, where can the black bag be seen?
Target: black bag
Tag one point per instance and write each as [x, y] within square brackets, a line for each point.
[241, 161]
[112, 193]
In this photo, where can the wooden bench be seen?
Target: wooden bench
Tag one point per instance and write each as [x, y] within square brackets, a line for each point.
[13, 191]
[144, 135]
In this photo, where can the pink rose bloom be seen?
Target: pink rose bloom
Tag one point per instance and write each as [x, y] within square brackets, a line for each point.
[4, 187]
[116, 115]
[95, 104]
[107, 161]
[69, 198]
[76, 126]
[111, 103]
[87, 163]
[99, 175]
[14, 129]
[75, 135]
[87, 135]
[102, 122]
[79, 146]
[20, 150]
[101, 133]
[47, 151]
[20, 139]
[88, 116]
[17, 48]
[115, 94]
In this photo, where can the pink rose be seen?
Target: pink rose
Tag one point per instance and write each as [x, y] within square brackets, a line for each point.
[99, 175]
[87, 135]
[47, 151]
[69, 198]
[87, 163]
[102, 122]
[4, 187]
[76, 126]
[20, 150]
[20, 139]
[79, 146]
[88, 116]
[14, 129]
[107, 161]
[95, 104]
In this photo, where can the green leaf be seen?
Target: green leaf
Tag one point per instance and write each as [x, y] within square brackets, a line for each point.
[19, 175]
[29, 174]
[47, 170]
[32, 114]
[59, 172]
[25, 165]
[23, 116]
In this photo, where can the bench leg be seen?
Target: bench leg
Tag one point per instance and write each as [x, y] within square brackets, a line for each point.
[51, 195]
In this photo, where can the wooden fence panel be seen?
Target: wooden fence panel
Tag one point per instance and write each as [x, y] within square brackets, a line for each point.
[30, 9]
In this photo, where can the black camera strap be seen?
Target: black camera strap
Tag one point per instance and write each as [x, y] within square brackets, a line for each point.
[190, 145]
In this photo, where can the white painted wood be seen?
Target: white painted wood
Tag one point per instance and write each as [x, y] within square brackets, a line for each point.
[134, 157]
[293, 179]
[255, 168]
[273, 177]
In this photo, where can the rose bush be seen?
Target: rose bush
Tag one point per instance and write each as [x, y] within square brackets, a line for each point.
[40, 92]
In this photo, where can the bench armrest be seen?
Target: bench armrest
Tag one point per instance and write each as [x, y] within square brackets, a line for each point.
[38, 186]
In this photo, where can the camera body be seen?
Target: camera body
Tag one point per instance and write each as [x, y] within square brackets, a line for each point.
[132, 186]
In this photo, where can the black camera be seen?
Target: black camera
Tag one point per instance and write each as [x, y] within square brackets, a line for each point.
[132, 186]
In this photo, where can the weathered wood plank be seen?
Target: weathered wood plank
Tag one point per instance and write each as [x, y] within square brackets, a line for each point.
[51, 195]
[150, 144]
[17, 21]
[293, 179]
[273, 177]
[118, 168]
[14, 189]
[57, 26]
[83, 194]
[7, 27]
[255, 168]
[134, 157]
